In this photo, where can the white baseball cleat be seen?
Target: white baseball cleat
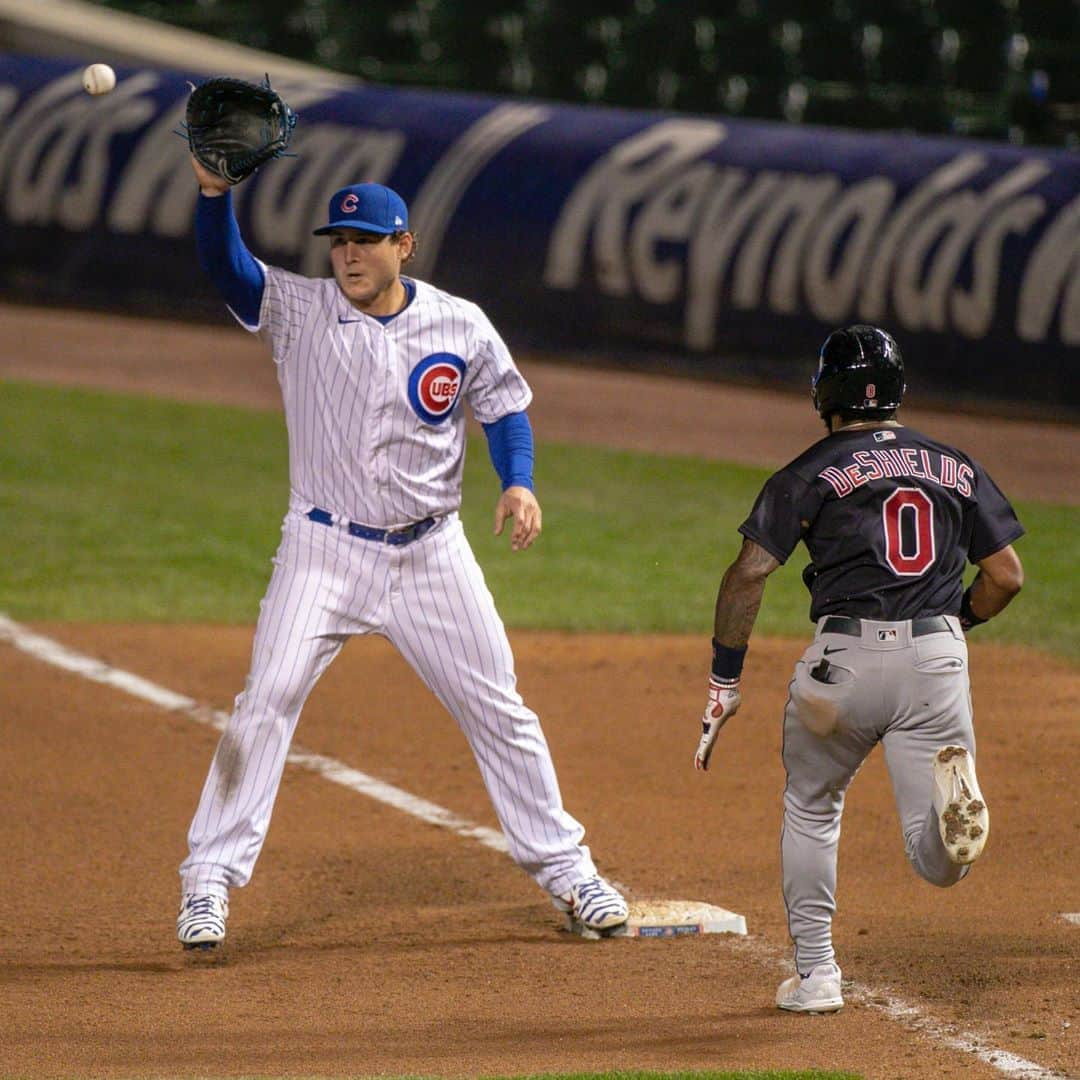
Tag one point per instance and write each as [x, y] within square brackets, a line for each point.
[818, 992]
[201, 922]
[963, 819]
[594, 903]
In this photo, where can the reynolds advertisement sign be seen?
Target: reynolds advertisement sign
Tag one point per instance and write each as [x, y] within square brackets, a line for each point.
[711, 241]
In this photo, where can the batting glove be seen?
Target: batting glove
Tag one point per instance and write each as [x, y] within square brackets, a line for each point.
[724, 699]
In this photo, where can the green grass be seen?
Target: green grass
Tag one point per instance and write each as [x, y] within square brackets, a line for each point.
[121, 508]
[116, 508]
[637, 542]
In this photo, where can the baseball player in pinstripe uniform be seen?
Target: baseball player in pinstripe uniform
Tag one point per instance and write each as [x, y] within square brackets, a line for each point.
[889, 517]
[374, 369]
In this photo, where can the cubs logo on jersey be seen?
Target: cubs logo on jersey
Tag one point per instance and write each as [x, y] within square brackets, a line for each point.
[434, 386]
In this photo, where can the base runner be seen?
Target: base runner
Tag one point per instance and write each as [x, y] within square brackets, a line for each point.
[889, 518]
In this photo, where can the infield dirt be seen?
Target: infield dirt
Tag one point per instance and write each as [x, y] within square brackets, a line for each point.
[369, 943]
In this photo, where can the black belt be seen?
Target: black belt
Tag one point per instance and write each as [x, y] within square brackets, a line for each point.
[844, 624]
[384, 536]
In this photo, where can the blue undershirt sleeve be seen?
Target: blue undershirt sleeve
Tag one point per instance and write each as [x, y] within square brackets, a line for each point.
[227, 262]
[510, 443]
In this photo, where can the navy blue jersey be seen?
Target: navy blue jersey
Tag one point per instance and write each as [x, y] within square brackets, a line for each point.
[889, 518]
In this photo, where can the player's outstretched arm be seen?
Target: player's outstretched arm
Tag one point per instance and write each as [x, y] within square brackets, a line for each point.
[520, 504]
[737, 604]
[231, 267]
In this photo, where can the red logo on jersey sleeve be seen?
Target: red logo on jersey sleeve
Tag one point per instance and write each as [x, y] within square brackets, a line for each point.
[434, 386]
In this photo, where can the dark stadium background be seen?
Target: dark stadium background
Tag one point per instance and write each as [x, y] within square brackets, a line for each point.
[1005, 70]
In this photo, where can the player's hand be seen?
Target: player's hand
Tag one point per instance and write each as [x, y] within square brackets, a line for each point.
[520, 504]
[724, 699]
[210, 184]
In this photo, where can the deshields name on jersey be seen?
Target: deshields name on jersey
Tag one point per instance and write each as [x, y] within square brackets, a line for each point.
[866, 465]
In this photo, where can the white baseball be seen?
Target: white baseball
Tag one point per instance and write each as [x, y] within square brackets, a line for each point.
[98, 79]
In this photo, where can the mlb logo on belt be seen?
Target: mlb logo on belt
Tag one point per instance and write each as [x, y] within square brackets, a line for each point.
[434, 386]
[887, 635]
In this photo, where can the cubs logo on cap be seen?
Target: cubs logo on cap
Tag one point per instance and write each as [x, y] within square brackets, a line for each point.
[434, 386]
[370, 207]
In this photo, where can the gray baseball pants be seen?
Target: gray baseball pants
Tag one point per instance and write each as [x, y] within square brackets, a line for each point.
[911, 694]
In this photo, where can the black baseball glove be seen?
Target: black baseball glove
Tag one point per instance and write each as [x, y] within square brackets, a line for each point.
[233, 126]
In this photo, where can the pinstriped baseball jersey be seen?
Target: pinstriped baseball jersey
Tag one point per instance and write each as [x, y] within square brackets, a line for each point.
[374, 409]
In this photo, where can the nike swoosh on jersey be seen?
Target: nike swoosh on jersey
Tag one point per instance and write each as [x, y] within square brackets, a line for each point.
[837, 648]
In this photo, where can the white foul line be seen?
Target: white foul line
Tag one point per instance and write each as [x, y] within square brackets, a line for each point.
[910, 1016]
[53, 652]
[914, 1019]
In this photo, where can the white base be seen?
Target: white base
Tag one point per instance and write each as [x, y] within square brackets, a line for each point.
[667, 919]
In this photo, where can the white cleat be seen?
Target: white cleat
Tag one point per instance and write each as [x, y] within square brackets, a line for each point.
[201, 922]
[963, 819]
[595, 904]
[818, 992]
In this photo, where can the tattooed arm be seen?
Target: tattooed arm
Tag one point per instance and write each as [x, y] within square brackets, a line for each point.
[737, 605]
[740, 594]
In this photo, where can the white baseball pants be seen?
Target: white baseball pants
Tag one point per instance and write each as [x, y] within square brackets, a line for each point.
[430, 600]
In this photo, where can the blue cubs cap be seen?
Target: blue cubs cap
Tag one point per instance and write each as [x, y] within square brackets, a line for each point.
[371, 207]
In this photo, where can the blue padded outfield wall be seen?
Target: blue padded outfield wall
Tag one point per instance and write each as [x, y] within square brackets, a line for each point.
[718, 244]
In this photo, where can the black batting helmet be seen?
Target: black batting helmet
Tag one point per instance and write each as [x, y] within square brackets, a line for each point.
[861, 371]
